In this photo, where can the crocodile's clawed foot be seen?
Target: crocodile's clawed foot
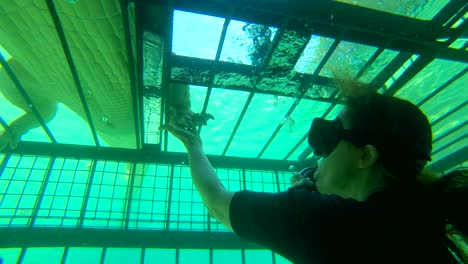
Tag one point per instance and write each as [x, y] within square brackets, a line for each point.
[8, 139]
[201, 119]
[189, 120]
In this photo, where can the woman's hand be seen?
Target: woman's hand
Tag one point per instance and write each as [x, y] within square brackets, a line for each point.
[189, 136]
[298, 180]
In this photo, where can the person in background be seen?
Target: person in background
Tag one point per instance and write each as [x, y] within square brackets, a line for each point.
[372, 200]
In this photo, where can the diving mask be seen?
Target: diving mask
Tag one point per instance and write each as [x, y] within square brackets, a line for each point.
[324, 135]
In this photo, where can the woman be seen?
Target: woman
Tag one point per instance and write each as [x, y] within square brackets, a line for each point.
[371, 203]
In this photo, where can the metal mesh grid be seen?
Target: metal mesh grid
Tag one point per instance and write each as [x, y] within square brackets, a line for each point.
[21, 182]
[78, 255]
[261, 181]
[122, 255]
[31, 255]
[108, 196]
[252, 256]
[187, 209]
[150, 197]
[86, 193]
[64, 194]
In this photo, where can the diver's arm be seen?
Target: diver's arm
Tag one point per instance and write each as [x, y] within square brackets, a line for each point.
[212, 191]
[214, 195]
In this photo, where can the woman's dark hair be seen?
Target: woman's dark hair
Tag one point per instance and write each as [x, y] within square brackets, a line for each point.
[403, 137]
[397, 128]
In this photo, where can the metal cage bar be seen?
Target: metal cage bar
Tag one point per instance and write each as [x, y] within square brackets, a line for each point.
[129, 198]
[21, 256]
[135, 88]
[26, 97]
[448, 133]
[169, 203]
[448, 12]
[65, 255]
[453, 142]
[211, 77]
[449, 113]
[412, 70]
[450, 161]
[203, 65]
[71, 64]
[423, 61]
[103, 255]
[87, 194]
[303, 89]
[369, 62]
[325, 59]
[391, 68]
[42, 191]
[258, 76]
[328, 17]
[166, 74]
[443, 86]
[4, 163]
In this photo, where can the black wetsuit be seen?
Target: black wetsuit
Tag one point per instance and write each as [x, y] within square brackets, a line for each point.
[307, 227]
